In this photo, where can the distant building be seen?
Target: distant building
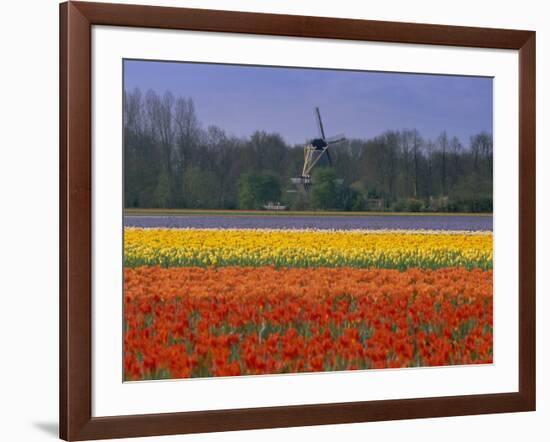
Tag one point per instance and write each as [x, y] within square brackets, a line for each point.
[274, 206]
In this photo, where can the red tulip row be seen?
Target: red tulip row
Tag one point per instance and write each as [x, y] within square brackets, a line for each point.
[196, 322]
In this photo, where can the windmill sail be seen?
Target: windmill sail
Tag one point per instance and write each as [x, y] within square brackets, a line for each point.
[336, 139]
[329, 158]
[320, 124]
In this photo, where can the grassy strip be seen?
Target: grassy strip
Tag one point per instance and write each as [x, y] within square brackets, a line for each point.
[206, 212]
[438, 261]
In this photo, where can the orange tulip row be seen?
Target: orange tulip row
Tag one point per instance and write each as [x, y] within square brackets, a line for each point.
[197, 322]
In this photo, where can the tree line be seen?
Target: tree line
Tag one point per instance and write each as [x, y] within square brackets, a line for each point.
[172, 161]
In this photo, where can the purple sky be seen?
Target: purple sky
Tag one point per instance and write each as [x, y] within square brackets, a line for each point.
[242, 99]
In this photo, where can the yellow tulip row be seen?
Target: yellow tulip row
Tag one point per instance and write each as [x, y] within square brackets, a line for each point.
[304, 248]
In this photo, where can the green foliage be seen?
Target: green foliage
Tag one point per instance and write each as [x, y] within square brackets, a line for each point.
[330, 193]
[350, 199]
[296, 201]
[324, 193]
[162, 190]
[409, 205]
[414, 205]
[473, 194]
[257, 189]
[199, 188]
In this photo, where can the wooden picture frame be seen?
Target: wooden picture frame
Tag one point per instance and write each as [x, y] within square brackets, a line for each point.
[76, 21]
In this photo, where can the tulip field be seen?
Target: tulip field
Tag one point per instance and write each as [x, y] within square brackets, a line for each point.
[202, 302]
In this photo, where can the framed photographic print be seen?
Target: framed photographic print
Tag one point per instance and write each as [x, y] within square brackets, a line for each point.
[273, 220]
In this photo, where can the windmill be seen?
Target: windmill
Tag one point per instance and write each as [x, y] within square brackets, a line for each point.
[314, 151]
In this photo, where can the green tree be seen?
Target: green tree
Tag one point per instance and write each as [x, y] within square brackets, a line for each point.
[162, 191]
[255, 190]
[199, 188]
[324, 191]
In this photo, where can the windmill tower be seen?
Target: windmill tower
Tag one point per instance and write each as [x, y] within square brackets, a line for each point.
[314, 151]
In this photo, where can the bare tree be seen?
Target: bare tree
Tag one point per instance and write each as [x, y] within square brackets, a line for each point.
[416, 148]
[456, 151]
[430, 149]
[406, 139]
[443, 143]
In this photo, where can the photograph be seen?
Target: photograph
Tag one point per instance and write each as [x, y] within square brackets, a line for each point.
[284, 220]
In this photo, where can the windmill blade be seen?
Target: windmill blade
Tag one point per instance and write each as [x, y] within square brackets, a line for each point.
[336, 139]
[320, 123]
[329, 158]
